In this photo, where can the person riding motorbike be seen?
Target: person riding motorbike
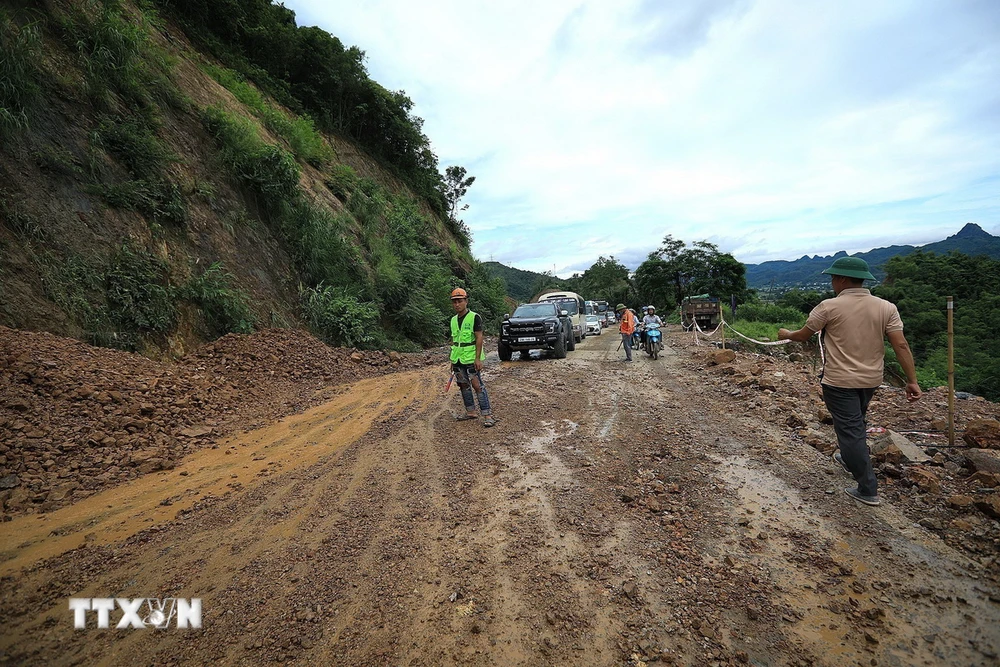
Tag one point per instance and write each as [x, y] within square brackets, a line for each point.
[651, 318]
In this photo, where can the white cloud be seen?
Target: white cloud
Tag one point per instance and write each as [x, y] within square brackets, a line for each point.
[775, 129]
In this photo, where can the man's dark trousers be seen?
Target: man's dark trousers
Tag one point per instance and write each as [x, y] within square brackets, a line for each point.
[848, 408]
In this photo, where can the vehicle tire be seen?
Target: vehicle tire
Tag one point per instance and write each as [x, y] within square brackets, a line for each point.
[504, 351]
[570, 342]
[561, 348]
[656, 352]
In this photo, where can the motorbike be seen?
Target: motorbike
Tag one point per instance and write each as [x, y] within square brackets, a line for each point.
[654, 340]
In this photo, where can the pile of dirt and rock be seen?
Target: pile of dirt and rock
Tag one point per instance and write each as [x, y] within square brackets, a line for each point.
[951, 490]
[75, 419]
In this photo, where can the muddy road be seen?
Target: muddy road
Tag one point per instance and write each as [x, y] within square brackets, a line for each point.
[618, 514]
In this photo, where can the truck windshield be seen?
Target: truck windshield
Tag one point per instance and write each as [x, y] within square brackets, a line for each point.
[569, 305]
[534, 310]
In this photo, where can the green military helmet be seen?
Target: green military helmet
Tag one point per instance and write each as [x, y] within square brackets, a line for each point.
[852, 267]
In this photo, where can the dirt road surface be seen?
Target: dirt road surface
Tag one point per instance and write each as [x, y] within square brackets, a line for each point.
[618, 514]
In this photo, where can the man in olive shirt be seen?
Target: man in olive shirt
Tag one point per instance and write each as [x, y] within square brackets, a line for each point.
[853, 326]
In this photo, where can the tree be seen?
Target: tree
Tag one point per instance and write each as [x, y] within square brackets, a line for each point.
[455, 186]
[606, 280]
[676, 271]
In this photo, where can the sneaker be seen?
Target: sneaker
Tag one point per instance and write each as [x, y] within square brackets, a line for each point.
[839, 459]
[867, 500]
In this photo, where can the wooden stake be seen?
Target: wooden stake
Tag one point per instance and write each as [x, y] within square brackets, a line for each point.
[951, 374]
[721, 325]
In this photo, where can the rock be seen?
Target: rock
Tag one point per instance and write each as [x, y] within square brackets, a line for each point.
[197, 431]
[924, 479]
[888, 452]
[395, 357]
[9, 481]
[630, 589]
[961, 525]
[357, 357]
[960, 502]
[990, 506]
[722, 357]
[795, 421]
[18, 405]
[985, 460]
[907, 449]
[938, 424]
[982, 478]
[61, 492]
[983, 433]
[824, 416]
[795, 356]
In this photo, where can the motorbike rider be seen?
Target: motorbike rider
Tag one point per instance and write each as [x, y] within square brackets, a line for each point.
[650, 318]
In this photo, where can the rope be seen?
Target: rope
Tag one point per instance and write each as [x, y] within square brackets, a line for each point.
[753, 340]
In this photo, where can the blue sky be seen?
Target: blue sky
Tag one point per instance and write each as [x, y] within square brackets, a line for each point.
[774, 129]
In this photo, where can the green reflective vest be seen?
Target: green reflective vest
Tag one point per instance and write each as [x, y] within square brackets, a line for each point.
[463, 340]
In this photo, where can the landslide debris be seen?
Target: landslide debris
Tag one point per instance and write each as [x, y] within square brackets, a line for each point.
[75, 419]
[953, 491]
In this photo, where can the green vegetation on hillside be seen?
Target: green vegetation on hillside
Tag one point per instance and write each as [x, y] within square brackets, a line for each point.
[310, 70]
[373, 266]
[919, 285]
[19, 75]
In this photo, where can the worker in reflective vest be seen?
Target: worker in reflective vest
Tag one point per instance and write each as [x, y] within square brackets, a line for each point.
[467, 357]
[626, 326]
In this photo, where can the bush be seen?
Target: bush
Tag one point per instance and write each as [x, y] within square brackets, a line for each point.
[132, 142]
[320, 247]
[300, 133]
[760, 312]
[138, 297]
[338, 317]
[268, 171]
[226, 308]
[117, 53]
[341, 180]
[159, 200]
[19, 74]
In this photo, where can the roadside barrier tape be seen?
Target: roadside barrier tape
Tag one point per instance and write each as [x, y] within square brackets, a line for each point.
[752, 340]
[697, 329]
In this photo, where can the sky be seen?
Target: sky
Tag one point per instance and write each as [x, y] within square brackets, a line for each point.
[772, 128]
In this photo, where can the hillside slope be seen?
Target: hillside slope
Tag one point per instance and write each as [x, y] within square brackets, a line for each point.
[971, 240]
[152, 199]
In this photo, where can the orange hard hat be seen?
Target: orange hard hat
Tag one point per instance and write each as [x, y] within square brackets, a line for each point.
[458, 293]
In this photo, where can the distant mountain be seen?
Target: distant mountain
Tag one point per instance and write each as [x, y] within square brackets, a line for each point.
[520, 283]
[806, 270]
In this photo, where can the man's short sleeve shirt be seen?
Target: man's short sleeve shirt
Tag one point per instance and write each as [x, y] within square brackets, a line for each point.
[854, 325]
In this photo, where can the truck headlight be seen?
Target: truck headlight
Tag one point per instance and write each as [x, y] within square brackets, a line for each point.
[550, 327]
[504, 329]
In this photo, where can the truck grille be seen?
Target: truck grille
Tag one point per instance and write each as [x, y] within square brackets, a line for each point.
[527, 328]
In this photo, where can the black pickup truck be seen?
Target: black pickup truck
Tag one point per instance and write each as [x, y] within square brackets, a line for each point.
[536, 326]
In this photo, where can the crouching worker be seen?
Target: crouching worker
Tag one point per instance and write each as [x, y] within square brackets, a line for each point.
[467, 357]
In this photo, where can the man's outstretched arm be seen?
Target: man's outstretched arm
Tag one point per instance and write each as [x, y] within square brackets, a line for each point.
[799, 336]
[905, 359]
